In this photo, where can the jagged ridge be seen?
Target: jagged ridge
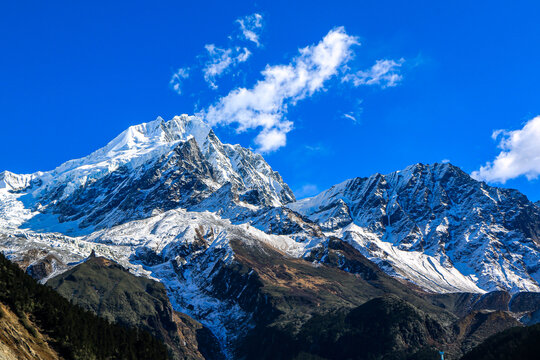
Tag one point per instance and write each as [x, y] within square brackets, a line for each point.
[435, 225]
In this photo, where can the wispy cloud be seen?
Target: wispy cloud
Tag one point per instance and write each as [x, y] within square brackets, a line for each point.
[318, 148]
[349, 116]
[354, 115]
[520, 154]
[265, 105]
[218, 61]
[221, 60]
[251, 27]
[383, 73]
[307, 190]
[177, 79]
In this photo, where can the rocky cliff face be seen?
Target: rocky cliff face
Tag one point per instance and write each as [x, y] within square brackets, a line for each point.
[155, 166]
[435, 225]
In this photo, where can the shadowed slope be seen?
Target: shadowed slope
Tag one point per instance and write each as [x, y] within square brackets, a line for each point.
[112, 292]
[72, 332]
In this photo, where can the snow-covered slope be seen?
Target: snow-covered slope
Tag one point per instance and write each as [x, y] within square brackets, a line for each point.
[14, 182]
[154, 166]
[435, 225]
[182, 249]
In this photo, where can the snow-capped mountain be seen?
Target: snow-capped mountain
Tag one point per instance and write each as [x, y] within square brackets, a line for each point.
[222, 230]
[154, 166]
[164, 199]
[431, 224]
[436, 226]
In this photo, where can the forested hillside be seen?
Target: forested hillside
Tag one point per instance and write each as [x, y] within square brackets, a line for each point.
[72, 332]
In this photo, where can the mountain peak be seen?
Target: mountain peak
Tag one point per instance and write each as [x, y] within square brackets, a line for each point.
[434, 219]
[435, 168]
[183, 126]
[133, 147]
[155, 165]
[144, 137]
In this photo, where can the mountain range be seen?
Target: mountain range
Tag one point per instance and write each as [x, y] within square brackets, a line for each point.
[238, 253]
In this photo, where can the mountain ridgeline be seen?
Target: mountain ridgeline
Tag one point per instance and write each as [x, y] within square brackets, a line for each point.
[431, 219]
[396, 266]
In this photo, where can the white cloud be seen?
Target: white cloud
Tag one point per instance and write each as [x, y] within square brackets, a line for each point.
[520, 154]
[177, 79]
[265, 104]
[272, 139]
[383, 73]
[445, 161]
[353, 116]
[251, 27]
[349, 116]
[221, 60]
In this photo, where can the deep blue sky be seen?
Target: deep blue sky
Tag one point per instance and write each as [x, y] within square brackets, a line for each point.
[73, 75]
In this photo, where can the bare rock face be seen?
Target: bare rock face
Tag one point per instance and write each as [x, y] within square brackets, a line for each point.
[45, 267]
[40, 263]
[178, 179]
[436, 217]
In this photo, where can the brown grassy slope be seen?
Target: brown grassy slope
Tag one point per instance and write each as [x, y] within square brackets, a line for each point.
[18, 343]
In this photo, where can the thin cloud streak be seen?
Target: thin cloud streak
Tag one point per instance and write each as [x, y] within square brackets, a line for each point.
[178, 78]
[350, 116]
[218, 61]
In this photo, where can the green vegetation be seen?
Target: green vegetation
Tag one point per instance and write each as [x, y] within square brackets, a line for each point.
[74, 332]
[382, 328]
[516, 343]
[112, 292]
